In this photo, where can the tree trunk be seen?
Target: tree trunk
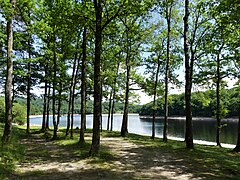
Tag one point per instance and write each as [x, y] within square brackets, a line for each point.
[109, 109]
[72, 116]
[73, 90]
[113, 97]
[54, 90]
[188, 84]
[218, 108]
[28, 87]
[154, 100]
[71, 95]
[83, 86]
[48, 105]
[44, 105]
[59, 104]
[165, 127]
[9, 81]
[124, 129]
[237, 148]
[97, 81]
[101, 104]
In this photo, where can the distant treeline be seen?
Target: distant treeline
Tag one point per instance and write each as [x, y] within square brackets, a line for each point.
[37, 106]
[203, 104]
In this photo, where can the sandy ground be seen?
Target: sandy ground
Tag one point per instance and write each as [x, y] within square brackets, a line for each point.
[131, 161]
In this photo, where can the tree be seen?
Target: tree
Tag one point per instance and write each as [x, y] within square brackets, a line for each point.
[133, 38]
[167, 12]
[9, 78]
[99, 27]
[188, 81]
[83, 86]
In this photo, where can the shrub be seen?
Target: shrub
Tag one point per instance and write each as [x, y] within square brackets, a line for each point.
[19, 112]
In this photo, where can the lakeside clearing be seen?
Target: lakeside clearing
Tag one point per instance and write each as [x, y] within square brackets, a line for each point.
[134, 157]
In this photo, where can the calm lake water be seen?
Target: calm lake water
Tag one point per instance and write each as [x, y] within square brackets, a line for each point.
[204, 128]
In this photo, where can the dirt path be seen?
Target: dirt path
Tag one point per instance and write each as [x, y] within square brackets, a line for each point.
[48, 160]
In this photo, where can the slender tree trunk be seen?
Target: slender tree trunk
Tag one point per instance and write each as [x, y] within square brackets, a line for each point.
[97, 79]
[70, 101]
[124, 129]
[48, 105]
[54, 89]
[29, 86]
[109, 109]
[70, 105]
[73, 90]
[165, 127]
[44, 106]
[188, 84]
[9, 81]
[154, 100]
[1, 43]
[101, 104]
[237, 148]
[72, 116]
[83, 86]
[113, 97]
[59, 105]
[112, 113]
[218, 89]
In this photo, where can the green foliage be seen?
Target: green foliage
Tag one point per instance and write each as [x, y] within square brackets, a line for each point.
[203, 104]
[19, 109]
[19, 112]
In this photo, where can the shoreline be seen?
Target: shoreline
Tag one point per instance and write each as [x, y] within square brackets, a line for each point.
[38, 116]
[195, 141]
[193, 118]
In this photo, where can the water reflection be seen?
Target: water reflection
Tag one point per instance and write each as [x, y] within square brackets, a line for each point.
[203, 129]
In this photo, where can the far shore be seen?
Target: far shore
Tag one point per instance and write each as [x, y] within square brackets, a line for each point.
[38, 116]
[194, 118]
[158, 117]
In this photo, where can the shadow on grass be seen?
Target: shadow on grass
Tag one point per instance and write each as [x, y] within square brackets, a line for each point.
[204, 161]
[162, 160]
[86, 174]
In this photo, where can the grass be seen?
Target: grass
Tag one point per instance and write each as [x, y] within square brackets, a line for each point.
[10, 154]
[219, 161]
[204, 161]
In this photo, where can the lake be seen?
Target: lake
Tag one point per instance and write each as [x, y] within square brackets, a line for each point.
[204, 128]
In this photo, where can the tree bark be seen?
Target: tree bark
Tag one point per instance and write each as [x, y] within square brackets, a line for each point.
[113, 97]
[188, 83]
[101, 103]
[71, 97]
[59, 104]
[165, 127]
[83, 86]
[48, 105]
[44, 104]
[124, 129]
[9, 81]
[29, 86]
[154, 100]
[54, 90]
[97, 80]
[218, 89]
[109, 109]
[73, 92]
